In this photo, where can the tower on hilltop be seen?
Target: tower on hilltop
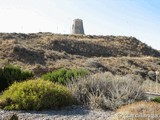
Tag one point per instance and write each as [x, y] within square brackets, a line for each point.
[77, 27]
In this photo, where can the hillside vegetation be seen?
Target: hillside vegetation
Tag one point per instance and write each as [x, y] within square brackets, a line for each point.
[44, 52]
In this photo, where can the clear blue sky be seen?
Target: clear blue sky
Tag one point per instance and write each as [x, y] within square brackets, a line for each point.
[138, 18]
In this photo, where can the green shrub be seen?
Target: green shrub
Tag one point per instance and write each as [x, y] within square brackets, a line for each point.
[156, 99]
[10, 74]
[62, 76]
[35, 95]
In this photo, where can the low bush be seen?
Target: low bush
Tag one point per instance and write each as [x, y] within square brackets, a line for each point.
[156, 99]
[138, 111]
[149, 86]
[105, 92]
[10, 74]
[35, 95]
[62, 76]
[95, 63]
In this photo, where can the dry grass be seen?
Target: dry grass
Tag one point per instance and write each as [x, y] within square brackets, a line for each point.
[138, 111]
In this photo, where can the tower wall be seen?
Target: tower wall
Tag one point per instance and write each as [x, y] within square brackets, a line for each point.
[77, 27]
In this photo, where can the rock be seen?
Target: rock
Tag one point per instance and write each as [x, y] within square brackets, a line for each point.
[13, 117]
[2, 103]
[152, 75]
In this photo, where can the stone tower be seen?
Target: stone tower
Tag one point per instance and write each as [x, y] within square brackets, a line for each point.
[77, 27]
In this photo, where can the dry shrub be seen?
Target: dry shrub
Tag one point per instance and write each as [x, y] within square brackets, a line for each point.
[136, 78]
[95, 63]
[123, 90]
[105, 92]
[81, 88]
[138, 111]
[150, 86]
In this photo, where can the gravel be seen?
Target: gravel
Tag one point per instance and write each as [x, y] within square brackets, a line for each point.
[70, 113]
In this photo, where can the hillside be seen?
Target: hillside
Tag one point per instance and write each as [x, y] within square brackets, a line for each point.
[44, 52]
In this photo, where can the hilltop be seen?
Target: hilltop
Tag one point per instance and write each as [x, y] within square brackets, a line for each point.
[43, 52]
